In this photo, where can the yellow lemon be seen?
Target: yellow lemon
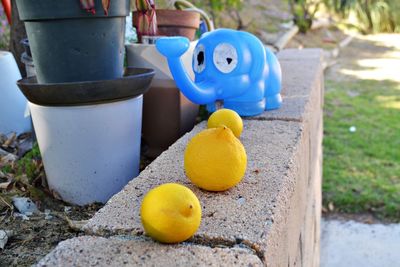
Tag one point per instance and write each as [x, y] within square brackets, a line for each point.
[226, 117]
[170, 213]
[215, 159]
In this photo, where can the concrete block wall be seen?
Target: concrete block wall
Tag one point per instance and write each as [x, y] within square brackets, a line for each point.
[272, 218]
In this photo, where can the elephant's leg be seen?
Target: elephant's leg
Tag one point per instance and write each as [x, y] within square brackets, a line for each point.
[273, 102]
[242, 108]
[211, 107]
[273, 83]
[249, 104]
[246, 108]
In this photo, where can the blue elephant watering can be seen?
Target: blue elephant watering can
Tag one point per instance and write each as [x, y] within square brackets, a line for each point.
[231, 67]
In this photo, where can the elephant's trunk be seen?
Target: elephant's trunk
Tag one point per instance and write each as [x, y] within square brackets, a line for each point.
[172, 48]
[199, 93]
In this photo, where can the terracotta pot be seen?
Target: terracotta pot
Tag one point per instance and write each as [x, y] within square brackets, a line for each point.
[175, 22]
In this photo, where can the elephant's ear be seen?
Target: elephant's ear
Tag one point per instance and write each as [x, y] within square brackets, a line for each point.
[259, 66]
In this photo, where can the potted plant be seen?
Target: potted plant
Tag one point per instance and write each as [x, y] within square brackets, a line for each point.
[164, 107]
[75, 40]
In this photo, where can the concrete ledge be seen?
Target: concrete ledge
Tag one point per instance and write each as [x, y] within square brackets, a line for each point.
[299, 54]
[126, 251]
[273, 214]
[229, 215]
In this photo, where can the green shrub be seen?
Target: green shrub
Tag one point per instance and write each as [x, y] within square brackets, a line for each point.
[303, 12]
[372, 15]
[216, 7]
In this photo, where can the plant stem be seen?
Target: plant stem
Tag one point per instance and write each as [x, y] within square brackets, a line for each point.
[89, 6]
[146, 21]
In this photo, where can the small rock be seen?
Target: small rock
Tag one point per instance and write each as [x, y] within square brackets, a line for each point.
[25, 145]
[4, 235]
[47, 215]
[10, 140]
[67, 209]
[9, 158]
[4, 185]
[23, 216]
[241, 200]
[24, 205]
[3, 239]
[3, 153]
[3, 138]
[76, 225]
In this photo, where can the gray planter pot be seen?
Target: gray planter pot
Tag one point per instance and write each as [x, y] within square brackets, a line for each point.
[69, 44]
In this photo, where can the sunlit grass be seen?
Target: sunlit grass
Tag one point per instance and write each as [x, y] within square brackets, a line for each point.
[376, 68]
[389, 101]
[362, 168]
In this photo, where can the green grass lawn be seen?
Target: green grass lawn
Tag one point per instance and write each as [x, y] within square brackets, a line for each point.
[362, 169]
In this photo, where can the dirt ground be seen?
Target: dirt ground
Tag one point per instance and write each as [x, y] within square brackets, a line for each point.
[34, 238]
[326, 38]
[56, 221]
[22, 175]
[366, 218]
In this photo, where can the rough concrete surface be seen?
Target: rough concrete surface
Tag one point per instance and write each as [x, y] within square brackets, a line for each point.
[300, 82]
[131, 251]
[353, 244]
[230, 215]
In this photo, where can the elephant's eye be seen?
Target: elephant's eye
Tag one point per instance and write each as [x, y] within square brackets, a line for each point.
[199, 59]
[225, 57]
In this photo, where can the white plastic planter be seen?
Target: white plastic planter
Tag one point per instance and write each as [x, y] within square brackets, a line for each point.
[89, 152]
[14, 112]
